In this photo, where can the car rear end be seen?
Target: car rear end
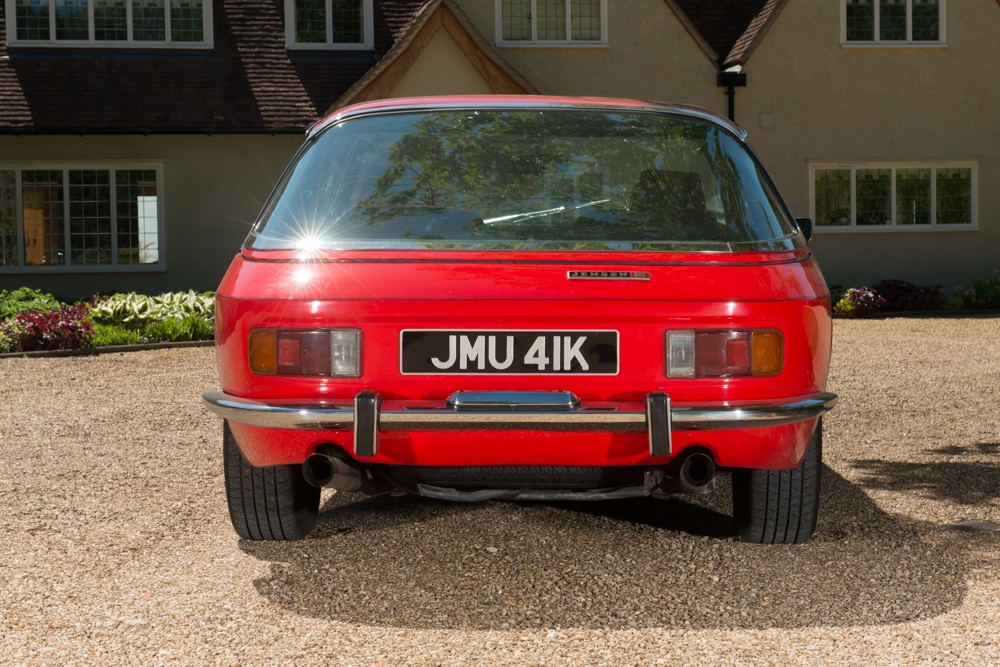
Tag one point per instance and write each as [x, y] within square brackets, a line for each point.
[522, 298]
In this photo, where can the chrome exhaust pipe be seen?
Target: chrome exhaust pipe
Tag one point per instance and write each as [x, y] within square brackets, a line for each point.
[323, 470]
[697, 473]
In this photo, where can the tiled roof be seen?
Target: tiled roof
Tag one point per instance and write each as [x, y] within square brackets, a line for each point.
[412, 38]
[249, 82]
[755, 32]
[730, 28]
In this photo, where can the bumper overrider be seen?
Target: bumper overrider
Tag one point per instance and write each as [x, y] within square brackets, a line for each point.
[369, 414]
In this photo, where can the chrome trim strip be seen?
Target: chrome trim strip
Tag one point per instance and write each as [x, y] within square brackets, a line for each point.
[513, 401]
[435, 415]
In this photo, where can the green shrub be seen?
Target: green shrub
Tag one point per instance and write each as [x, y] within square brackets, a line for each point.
[138, 310]
[114, 334]
[860, 302]
[11, 332]
[25, 300]
[982, 294]
[174, 329]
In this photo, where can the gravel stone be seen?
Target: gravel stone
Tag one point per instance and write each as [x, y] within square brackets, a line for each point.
[116, 546]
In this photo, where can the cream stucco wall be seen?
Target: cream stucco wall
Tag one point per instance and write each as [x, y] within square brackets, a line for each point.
[649, 56]
[825, 102]
[442, 69]
[213, 188]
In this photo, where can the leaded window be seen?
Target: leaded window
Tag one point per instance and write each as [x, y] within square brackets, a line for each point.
[145, 23]
[337, 24]
[893, 21]
[551, 22]
[894, 196]
[80, 217]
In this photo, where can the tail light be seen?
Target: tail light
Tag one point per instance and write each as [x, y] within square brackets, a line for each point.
[724, 353]
[303, 352]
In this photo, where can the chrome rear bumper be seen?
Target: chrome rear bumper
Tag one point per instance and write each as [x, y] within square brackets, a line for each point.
[542, 411]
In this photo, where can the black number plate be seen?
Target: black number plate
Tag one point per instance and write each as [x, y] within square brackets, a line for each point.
[499, 352]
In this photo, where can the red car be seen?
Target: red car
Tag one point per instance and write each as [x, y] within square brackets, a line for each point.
[528, 298]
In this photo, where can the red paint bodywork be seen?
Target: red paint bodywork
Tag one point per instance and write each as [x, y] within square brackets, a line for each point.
[383, 292]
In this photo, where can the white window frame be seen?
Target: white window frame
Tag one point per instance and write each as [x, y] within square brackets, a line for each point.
[568, 42]
[368, 17]
[908, 43]
[21, 267]
[854, 228]
[12, 40]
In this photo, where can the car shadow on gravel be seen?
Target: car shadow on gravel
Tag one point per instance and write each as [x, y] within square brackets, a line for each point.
[967, 476]
[417, 563]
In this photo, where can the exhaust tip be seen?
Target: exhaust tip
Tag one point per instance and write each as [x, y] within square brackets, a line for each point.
[318, 469]
[697, 473]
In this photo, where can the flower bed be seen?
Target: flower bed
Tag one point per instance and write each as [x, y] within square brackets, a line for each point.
[31, 320]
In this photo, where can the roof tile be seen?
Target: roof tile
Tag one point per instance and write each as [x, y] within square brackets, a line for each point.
[249, 82]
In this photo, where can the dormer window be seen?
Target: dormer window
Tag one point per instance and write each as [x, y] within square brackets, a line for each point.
[130, 23]
[892, 22]
[329, 24]
[552, 22]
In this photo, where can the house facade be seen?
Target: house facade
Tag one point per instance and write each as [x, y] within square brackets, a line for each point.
[139, 138]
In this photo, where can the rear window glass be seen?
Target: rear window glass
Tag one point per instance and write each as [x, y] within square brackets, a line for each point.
[524, 180]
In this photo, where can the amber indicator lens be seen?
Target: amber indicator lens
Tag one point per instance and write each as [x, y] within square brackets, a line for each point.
[724, 353]
[768, 353]
[264, 351]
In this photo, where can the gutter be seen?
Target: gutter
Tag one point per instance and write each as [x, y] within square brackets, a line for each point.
[731, 79]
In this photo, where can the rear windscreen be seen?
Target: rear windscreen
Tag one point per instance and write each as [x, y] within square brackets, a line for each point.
[542, 179]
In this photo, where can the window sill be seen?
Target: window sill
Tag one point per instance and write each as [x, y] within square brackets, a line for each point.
[893, 229]
[59, 269]
[550, 45]
[330, 47]
[894, 45]
[124, 46]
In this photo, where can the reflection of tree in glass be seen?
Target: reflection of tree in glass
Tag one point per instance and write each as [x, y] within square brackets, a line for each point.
[562, 176]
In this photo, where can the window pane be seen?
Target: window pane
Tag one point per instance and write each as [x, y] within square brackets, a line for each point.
[187, 21]
[138, 216]
[71, 19]
[32, 19]
[926, 21]
[892, 20]
[516, 19]
[551, 24]
[90, 217]
[585, 179]
[310, 21]
[348, 22]
[110, 20]
[42, 213]
[8, 218]
[913, 196]
[833, 197]
[874, 188]
[149, 23]
[585, 16]
[860, 20]
[954, 196]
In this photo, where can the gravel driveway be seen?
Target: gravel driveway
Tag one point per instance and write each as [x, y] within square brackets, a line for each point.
[116, 548]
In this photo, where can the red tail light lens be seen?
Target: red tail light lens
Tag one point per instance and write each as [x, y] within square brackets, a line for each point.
[313, 353]
[724, 353]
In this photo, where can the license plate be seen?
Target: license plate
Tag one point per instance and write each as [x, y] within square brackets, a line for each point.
[508, 352]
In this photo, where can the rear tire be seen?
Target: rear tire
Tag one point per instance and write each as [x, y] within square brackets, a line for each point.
[780, 506]
[267, 503]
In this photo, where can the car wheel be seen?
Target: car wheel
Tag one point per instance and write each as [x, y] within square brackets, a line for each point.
[268, 503]
[780, 506]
